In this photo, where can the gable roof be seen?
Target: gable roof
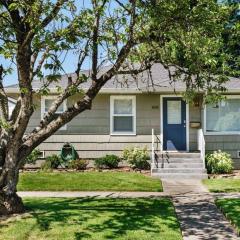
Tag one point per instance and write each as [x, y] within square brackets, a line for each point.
[158, 82]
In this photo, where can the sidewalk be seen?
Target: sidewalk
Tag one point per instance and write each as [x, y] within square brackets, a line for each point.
[99, 194]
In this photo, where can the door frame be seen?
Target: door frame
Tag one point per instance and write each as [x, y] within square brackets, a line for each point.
[161, 119]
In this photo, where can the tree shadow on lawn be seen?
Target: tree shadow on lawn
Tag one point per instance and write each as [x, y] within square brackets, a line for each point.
[110, 217]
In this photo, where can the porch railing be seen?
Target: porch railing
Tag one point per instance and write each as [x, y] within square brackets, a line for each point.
[201, 146]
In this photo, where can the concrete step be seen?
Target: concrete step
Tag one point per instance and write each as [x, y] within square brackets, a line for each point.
[179, 155]
[181, 176]
[179, 160]
[178, 170]
[179, 165]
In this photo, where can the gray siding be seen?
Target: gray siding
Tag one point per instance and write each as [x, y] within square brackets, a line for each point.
[194, 116]
[90, 131]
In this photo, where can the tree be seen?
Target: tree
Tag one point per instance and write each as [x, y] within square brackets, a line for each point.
[231, 37]
[128, 36]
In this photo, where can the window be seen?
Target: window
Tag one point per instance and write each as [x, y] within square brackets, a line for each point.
[174, 112]
[123, 114]
[223, 117]
[46, 104]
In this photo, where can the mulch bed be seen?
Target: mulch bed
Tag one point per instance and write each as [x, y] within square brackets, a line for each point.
[119, 169]
[235, 174]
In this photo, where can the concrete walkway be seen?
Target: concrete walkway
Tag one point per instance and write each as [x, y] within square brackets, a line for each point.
[198, 215]
[200, 219]
[183, 187]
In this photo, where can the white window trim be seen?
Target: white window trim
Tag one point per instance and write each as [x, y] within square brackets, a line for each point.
[43, 108]
[43, 154]
[219, 133]
[112, 98]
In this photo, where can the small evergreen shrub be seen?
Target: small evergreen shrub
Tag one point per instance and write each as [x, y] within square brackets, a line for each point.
[108, 161]
[52, 162]
[219, 162]
[99, 163]
[137, 157]
[78, 164]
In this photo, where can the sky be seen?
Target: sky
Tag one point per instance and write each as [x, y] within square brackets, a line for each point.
[69, 64]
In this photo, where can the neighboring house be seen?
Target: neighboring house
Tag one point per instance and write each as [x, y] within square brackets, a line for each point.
[125, 112]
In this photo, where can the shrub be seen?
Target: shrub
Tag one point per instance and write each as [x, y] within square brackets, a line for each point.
[78, 164]
[108, 161]
[52, 162]
[137, 157]
[99, 163]
[219, 162]
[32, 157]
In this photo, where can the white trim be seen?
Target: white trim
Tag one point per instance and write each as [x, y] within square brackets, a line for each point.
[43, 98]
[218, 133]
[43, 154]
[161, 119]
[114, 97]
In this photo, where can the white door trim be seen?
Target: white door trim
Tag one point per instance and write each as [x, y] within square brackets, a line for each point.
[161, 119]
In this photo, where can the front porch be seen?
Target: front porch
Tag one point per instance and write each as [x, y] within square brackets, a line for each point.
[174, 164]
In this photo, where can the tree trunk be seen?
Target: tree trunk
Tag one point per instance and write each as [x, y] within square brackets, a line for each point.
[10, 202]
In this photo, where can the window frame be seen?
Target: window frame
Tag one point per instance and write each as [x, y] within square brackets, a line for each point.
[224, 132]
[43, 105]
[122, 97]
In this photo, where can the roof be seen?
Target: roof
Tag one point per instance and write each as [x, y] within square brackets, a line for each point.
[158, 82]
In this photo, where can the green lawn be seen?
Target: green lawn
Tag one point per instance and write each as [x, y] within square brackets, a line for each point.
[231, 209]
[87, 181]
[223, 185]
[96, 219]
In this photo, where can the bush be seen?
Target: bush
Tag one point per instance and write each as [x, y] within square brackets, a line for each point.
[32, 157]
[137, 157]
[78, 164]
[109, 161]
[219, 162]
[52, 162]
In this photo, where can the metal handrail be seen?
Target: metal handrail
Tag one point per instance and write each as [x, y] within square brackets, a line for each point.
[158, 149]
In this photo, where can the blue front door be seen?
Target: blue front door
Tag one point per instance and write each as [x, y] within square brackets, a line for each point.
[174, 124]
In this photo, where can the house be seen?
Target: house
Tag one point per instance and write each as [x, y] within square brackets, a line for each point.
[130, 112]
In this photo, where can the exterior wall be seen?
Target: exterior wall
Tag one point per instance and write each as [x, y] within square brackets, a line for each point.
[194, 116]
[90, 131]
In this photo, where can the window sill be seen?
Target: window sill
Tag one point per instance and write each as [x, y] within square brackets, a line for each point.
[123, 134]
[221, 133]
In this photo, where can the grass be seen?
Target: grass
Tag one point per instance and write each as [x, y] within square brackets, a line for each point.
[91, 218]
[231, 209]
[223, 185]
[88, 181]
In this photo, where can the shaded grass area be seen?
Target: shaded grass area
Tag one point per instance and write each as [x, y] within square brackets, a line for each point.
[222, 185]
[91, 218]
[88, 181]
[231, 209]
